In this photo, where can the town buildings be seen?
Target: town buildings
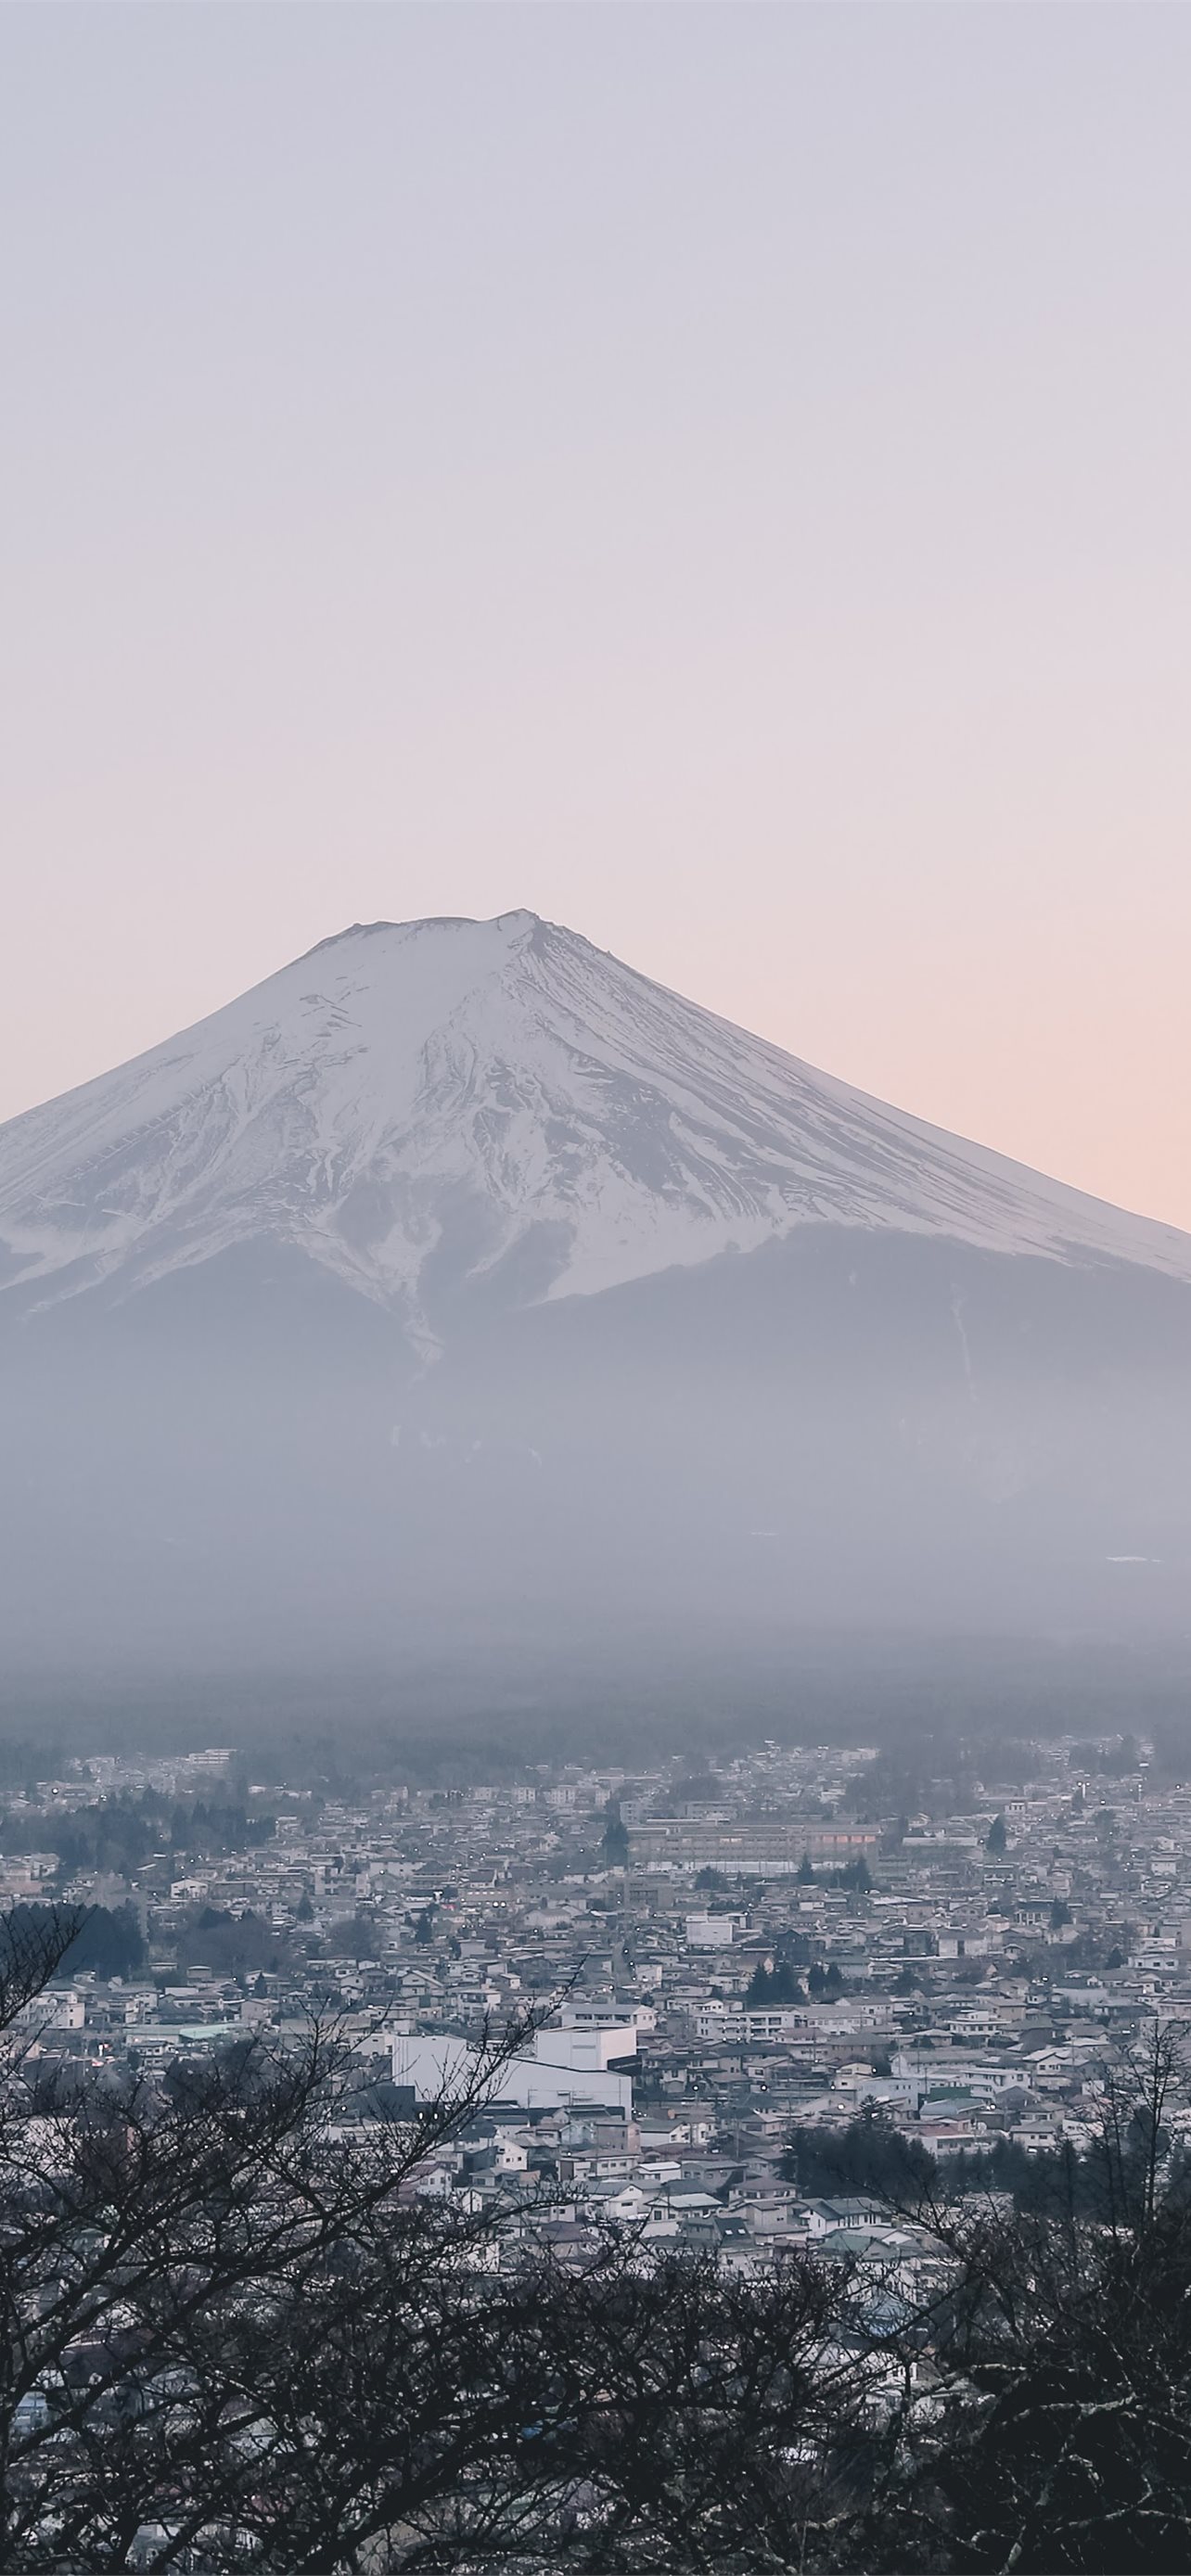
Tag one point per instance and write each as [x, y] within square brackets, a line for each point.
[709, 1969]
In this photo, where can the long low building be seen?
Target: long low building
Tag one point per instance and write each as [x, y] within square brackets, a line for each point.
[760, 1847]
[558, 2068]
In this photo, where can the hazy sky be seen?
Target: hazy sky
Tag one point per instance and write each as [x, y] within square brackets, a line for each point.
[716, 475]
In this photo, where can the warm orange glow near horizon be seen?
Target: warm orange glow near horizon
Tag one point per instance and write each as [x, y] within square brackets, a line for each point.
[717, 478]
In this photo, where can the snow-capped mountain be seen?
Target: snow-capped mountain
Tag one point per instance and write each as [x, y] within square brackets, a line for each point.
[460, 1284]
[504, 1094]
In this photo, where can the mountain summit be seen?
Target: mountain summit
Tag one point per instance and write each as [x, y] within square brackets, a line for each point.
[495, 1102]
[458, 1284]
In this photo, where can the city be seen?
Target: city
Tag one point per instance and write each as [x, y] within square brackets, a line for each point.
[716, 1967]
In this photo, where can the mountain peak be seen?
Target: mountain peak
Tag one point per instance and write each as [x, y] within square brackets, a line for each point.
[446, 921]
[501, 1100]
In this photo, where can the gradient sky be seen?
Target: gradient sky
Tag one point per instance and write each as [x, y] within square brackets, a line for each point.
[716, 475]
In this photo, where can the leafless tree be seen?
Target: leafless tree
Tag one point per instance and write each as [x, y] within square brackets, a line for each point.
[236, 2329]
[1062, 2340]
[34, 1941]
[171, 2261]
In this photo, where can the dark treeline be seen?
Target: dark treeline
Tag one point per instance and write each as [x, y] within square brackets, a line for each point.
[107, 1939]
[119, 1834]
[782, 1984]
[947, 1710]
[870, 2158]
[234, 2331]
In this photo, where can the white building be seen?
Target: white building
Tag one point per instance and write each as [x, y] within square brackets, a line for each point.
[558, 2067]
[712, 1931]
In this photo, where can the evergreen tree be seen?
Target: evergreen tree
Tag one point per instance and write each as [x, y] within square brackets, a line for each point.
[615, 1845]
[773, 1986]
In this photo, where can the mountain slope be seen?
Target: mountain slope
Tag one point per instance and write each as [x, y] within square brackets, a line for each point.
[459, 1289]
[490, 1100]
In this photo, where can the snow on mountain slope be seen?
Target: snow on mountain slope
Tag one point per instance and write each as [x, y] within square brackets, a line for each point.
[491, 1092]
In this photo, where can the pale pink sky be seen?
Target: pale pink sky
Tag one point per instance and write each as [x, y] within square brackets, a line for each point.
[717, 476]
